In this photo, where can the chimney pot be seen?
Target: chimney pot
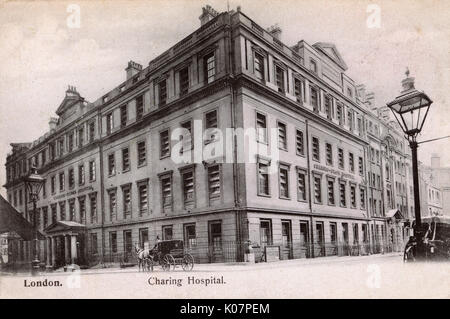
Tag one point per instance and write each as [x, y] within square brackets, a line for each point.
[132, 69]
[275, 30]
[208, 13]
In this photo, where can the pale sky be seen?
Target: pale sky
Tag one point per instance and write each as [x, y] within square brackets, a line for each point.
[40, 55]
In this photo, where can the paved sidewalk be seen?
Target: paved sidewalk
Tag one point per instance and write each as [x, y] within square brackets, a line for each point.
[243, 266]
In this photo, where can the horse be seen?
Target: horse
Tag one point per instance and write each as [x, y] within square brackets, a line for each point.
[143, 256]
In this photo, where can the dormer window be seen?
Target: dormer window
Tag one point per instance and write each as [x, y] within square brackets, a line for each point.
[105, 99]
[313, 65]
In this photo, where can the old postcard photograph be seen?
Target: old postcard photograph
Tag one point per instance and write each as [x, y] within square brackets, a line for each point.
[224, 149]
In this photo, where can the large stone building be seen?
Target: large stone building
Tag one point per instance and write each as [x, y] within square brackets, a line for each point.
[332, 179]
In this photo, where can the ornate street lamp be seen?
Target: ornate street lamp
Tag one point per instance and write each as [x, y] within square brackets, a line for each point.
[34, 183]
[410, 110]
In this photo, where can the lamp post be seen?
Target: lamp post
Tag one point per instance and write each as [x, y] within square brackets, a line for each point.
[410, 109]
[34, 183]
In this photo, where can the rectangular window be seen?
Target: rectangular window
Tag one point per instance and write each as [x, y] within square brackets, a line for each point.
[314, 95]
[184, 80]
[127, 241]
[71, 178]
[61, 146]
[320, 238]
[328, 107]
[282, 136]
[284, 181]
[300, 145]
[362, 198]
[342, 194]
[113, 241]
[111, 164]
[45, 216]
[93, 207]
[355, 234]
[72, 210]
[263, 178]
[164, 142]
[143, 199]
[351, 162]
[81, 174]
[62, 210]
[142, 153]
[330, 185]
[52, 150]
[143, 237]
[94, 244]
[329, 153]
[53, 212]
[279, 78]
[125, 159]
[298, 89]
[188, 186]
[209, 67]
[190, 237]
[259, 66]
[340, 113]
[109, 123]
[214, 188]
[44, 188]
[126, 193]
[166, 190]
[341, 158]
[211, 119]
[112, 205]
[315, 149]
[301, 185]
[350, 120]
[70, 142]
[92, 171]
[162, 90]
[361, 166]
[61, 182]
[265, 230]
[261, 128]
[167, 232]
[187, 139]
[317, 189]
[91, 131]
[123, 115]
[139, 107]
[333, 233]
[80, 136]
[44, 159]
[313, 65]
[53, 184]
[353, 195]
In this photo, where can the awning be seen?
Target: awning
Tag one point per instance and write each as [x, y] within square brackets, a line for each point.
[394, 213]
[12, 221]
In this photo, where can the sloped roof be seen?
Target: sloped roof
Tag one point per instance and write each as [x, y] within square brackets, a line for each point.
[12, 221]
[394, 213]
[330, 50]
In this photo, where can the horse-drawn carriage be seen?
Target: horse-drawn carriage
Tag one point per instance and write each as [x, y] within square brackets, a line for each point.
[168, 254]
[435, 242]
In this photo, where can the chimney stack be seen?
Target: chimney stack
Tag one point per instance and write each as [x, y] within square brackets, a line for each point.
[275, 30]
[208, 13]
[435, 160]
[52, 123]
[72, 91]
[132, 69]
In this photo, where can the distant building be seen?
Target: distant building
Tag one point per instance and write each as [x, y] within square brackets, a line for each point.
[341, 179]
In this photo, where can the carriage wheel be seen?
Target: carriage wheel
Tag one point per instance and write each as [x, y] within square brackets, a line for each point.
[188, 262]
[167, 262]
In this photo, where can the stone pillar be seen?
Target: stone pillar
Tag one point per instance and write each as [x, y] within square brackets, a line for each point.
[66, 249]
[49, 254]
[73, 241]
[53, 244]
